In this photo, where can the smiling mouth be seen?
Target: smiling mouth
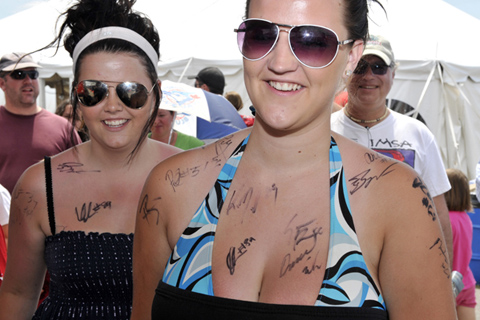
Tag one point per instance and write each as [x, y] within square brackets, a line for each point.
[115, 123]
[283, 86]
[368, 87]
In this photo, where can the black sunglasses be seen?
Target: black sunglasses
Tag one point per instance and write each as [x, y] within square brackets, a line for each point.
[377, 68]
[21, 74]
[91, 92]
[314, 46]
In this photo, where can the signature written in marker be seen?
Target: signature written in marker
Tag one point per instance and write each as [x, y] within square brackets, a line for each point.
[88, 211]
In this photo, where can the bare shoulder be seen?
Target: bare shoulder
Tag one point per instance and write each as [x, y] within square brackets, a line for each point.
[177, 186]
[162, 150]
[28, 204]
[183, 167]
[368, 171]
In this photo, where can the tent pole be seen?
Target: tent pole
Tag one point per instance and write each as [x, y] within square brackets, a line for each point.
[185, 70]
[427, 84]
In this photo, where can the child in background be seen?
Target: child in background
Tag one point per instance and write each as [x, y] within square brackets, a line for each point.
[458, 203]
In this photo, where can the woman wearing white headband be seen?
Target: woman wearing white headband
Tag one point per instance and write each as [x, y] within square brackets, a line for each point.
[74, 213]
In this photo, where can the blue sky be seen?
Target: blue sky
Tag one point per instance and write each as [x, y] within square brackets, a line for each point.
[9, 7]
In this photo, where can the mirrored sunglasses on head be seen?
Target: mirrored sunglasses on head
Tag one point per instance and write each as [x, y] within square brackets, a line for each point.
[378, 68]
[91, 92]
[313, 46]
[22, 74]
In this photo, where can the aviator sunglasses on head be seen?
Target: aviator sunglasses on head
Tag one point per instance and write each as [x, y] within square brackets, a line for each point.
[377, 68]
[91, 92]
[314, 46]
[21, 74]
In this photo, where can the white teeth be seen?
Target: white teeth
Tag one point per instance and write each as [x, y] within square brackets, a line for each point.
[115, 123]
[282, 86]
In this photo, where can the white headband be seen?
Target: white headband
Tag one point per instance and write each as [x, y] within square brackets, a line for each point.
[114, 33]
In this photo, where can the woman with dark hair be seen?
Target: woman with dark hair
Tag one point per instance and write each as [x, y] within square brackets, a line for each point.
[288, 220]
[74, 213]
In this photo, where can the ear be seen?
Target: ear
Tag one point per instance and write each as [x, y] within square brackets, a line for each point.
[355, 55]
[2, 84]
[205, 87]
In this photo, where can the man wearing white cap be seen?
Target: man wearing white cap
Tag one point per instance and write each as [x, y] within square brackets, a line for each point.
[27, 132]
[367, 120]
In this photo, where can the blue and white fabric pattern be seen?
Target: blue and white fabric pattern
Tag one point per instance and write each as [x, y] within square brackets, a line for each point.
[347, 281]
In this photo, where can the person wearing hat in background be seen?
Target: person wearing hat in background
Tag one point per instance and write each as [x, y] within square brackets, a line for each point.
[226, 119]
[27, 131]
[367, 120]
[210, 79]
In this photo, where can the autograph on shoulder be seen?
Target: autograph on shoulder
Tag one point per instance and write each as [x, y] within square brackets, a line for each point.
[73, 167]
[427, 200]
[90, 210]
[364, 179]
[371, 157]
[26, 198]
[149, 211]
[221, 147]
[443, 252]
[235, 253]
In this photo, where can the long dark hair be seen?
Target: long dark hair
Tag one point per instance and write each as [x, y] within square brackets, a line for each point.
[87, 15]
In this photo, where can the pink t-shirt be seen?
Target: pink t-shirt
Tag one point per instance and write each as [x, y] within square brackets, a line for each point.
[462, 232]
[25, 140]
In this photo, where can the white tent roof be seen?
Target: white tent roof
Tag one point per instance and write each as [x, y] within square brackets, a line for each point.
[428, 30]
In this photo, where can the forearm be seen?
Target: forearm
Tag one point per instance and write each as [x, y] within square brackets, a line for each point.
[16, 306]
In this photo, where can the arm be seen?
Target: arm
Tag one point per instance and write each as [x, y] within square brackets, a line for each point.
[444, 217]
[150, 247]
[25, 270]
[414, 269]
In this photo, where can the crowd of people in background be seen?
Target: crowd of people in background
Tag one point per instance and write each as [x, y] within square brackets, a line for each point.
[108, 211]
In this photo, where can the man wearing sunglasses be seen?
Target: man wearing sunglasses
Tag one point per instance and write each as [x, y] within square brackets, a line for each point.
[367, 120]
[27, 131]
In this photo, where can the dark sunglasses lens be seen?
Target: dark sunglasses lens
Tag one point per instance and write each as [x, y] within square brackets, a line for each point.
[256, 38]
[133, 95]
[20, 74]
[379, 69]
[91, 92]
[314, 46]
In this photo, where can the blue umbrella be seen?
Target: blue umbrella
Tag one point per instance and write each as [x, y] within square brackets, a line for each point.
[205, 115]
[224, 118]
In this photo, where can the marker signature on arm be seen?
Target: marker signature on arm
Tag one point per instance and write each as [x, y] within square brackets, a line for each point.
[149, 211]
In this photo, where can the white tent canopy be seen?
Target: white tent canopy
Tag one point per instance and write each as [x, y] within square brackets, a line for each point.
[193, 34]
[434, 43]
[438, 72]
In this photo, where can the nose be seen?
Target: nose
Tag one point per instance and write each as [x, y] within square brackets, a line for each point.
[112, 101]
[281, 58]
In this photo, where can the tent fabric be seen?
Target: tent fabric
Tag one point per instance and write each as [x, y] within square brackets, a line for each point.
[434, 44]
